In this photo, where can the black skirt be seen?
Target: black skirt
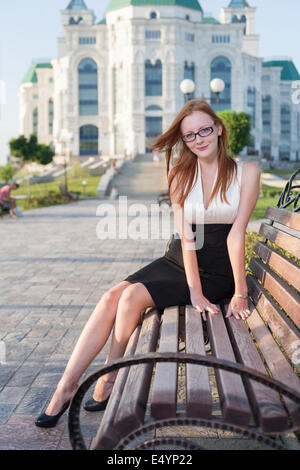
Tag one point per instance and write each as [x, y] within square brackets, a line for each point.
[165, 277]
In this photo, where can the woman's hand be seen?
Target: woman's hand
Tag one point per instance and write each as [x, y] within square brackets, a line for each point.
[238, 307]
[201, 303]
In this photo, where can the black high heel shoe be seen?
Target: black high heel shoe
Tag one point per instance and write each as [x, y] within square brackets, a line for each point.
[46, 421]
[94, 405]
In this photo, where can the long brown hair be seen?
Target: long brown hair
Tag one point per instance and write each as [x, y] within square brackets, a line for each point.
[186, 164]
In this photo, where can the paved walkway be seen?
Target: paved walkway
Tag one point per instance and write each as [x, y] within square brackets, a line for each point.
[54, 270]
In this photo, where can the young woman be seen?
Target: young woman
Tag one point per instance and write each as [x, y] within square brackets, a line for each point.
[204, 184]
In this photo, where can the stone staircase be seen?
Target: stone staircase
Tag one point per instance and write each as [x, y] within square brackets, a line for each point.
[141, 178]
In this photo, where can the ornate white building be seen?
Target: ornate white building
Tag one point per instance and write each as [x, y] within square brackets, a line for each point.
[116, 83]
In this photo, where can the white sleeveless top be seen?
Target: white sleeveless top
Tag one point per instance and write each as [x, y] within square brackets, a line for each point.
[218, 212]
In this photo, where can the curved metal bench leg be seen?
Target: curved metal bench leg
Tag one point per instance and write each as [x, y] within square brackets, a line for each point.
[76, 438]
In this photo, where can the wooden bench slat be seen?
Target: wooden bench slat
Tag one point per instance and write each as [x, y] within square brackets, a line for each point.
[275, 360]
[233, 398]
[285, 241]
[284, 330]
[164, 389]
[284, 217]
[286, 268]
[198, 393]
[107, 435]
[267, 406]
[285, 295]
[131, 411]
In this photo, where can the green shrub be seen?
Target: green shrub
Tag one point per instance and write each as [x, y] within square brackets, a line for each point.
[49, 199]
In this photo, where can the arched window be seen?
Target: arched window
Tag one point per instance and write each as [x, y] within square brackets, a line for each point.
[251, 104]
[88, 87]
[35, 121]
[266, 114]
[189, 72]
[153, 15]
[89, 140]
[285, 121]
[221, 68]
[153, 78]
[50, 111]
[243, 19]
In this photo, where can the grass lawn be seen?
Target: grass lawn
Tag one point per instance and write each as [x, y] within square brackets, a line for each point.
[43, 190]
[74, 184]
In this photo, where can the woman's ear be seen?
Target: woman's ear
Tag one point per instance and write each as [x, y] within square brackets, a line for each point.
[220, 130]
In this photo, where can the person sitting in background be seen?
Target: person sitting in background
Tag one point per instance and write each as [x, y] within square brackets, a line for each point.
[6, 201]
[113, 165]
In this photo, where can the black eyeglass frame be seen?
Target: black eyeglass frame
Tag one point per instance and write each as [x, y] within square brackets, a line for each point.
[199, 134]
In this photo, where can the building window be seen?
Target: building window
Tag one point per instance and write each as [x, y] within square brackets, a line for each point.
[50, 116]
[266, 78]
[84, 41]
[153, 78]
[189, 37]
[251, 104]
[216, 39]
[153, 128]
[189, 72]
[35, 121]
[152, 35]
[285, 121]
[153, 15]
[266, 149]
[251, 146]
[88, 140]
[88, 88]
[154, 107]
[284, 153]
[221, 68]
[243, 19]
[266, 114]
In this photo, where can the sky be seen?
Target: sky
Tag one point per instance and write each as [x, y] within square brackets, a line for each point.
[29, 29]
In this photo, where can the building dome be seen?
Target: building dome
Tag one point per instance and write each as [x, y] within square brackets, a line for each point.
[117, 4]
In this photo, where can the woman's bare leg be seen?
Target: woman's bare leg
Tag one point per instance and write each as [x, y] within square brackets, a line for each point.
[91, 341]
[132, 302]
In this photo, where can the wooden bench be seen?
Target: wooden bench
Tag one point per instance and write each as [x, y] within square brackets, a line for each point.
[247, 384]
[4, 210]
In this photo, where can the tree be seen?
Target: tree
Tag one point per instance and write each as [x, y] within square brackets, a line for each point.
[239, 128]
[29, 150]
[7, 172]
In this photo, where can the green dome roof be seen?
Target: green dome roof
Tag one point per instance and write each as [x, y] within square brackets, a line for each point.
[238, 4]
[288, 72]
[31, 75]
[117, 4]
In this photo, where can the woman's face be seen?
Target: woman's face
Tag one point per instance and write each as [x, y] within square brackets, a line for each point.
[203, 147]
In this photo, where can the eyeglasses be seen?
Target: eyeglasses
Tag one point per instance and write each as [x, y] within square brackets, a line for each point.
[191, 136]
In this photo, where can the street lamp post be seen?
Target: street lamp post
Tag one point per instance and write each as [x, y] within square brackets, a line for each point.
[217, 85]
[187, 86]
